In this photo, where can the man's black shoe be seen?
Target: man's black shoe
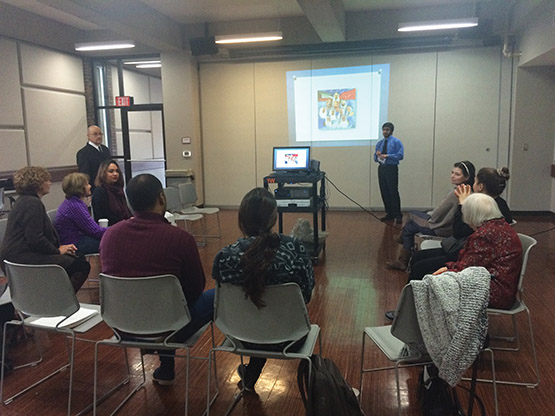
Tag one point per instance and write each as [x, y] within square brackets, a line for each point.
[164, 376]
[387, 218]
[399, 220]
[248, 384]
[390, 315]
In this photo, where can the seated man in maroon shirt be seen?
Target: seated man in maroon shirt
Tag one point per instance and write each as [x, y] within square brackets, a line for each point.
[147, 245]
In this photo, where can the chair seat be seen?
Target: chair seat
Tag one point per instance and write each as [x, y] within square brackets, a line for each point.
[305, 350]
[147, 342]
[393, 348]
[430, 244]
[187, 217]
[517, 307]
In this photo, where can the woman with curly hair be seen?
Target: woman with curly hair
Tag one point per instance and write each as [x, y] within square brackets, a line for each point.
[30, 236]
[259, 259]
[73, 220]
[108, 200]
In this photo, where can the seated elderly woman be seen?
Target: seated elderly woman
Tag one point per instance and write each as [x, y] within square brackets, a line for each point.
[438, 222]
[493, 245]
[108, 199]
[259, 259]
[30, 236]
[73, 220]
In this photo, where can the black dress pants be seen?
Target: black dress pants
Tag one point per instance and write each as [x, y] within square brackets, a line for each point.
[388, 178]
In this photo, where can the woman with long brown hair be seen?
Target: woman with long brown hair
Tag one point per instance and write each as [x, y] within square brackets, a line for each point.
[259, 259]
[108, 199]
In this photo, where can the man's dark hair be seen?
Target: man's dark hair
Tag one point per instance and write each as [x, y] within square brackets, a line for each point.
[390, 125]
[142, 191]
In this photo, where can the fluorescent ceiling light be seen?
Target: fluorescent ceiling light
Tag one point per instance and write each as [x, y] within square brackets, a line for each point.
[153, 65]
[249, 37]
[438, 24]
[103, 46]
[145, 62]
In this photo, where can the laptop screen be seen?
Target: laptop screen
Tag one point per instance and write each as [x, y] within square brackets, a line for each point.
[291, 159]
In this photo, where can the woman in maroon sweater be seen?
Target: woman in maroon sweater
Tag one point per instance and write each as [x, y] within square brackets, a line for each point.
[493, 245]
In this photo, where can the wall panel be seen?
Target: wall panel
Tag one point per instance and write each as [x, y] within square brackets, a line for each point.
[11, 112]
[56, 126]
[467, 112]
[49, 69]
[12, 150]
[228, 128]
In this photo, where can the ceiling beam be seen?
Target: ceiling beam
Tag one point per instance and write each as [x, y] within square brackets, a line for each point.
[129, 18]
[327, 17]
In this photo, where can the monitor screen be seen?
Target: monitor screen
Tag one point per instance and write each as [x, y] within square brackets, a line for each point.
[291, 159]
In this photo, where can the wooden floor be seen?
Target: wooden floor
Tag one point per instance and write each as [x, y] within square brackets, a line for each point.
[353, 290]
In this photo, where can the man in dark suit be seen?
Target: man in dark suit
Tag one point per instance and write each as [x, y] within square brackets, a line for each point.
[92, 154]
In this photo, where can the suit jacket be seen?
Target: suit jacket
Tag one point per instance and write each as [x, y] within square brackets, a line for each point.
[89, 159]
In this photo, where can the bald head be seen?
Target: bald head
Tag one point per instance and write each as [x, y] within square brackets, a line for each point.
[94, 134]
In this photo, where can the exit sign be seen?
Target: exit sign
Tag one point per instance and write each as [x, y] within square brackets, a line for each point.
[124, 101]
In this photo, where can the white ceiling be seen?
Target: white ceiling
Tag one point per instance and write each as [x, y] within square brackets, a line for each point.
[165, 25]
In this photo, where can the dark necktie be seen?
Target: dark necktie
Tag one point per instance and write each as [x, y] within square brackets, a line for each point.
[384, 147]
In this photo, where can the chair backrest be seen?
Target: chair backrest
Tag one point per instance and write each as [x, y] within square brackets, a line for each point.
[284, 318]
[52, 215]
[188, 194]
[173, 201]
[3, 225]
[527, 244]
[405, 325]
[41, 290]
[1, 198]
[143, 305]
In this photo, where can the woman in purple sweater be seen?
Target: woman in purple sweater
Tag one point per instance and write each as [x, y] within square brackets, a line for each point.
[73, 220]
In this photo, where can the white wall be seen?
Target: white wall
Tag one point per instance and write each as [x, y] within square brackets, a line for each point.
[446, 107]
[533, 139]
[42, 106]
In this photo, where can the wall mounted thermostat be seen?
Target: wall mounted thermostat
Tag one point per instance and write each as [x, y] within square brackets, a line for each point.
[187, 153]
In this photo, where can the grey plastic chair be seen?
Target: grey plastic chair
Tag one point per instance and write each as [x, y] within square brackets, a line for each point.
[188, 195]
[401, 343]
[52, 215]
[3, 225]
[174, 206]
[284, 319]
[128, 306]
[40, 291]
[518, 307]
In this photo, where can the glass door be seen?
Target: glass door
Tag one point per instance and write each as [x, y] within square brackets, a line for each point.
[142, 140]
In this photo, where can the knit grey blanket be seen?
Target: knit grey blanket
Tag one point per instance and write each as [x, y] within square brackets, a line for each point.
[451, 310]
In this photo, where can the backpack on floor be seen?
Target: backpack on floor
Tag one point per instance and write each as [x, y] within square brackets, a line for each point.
[329, 393]
[438, 398]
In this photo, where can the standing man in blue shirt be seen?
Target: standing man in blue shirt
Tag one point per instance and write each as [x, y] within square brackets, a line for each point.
[389, 151]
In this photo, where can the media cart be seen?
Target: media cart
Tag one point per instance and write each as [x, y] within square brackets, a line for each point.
[317, 201]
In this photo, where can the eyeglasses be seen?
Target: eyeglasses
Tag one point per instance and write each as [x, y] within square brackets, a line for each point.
[96, 134]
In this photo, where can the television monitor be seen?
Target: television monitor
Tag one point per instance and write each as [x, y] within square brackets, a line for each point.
[291, 159]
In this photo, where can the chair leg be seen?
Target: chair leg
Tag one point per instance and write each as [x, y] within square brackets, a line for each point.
[25, 390]
[96, 401]
[361, 367]
[530, 385]
[399, 412]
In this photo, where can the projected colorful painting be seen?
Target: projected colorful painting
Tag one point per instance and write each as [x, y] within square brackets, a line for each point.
[337, 109]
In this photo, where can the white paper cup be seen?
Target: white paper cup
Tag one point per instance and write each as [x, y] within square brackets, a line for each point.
[103, 222]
